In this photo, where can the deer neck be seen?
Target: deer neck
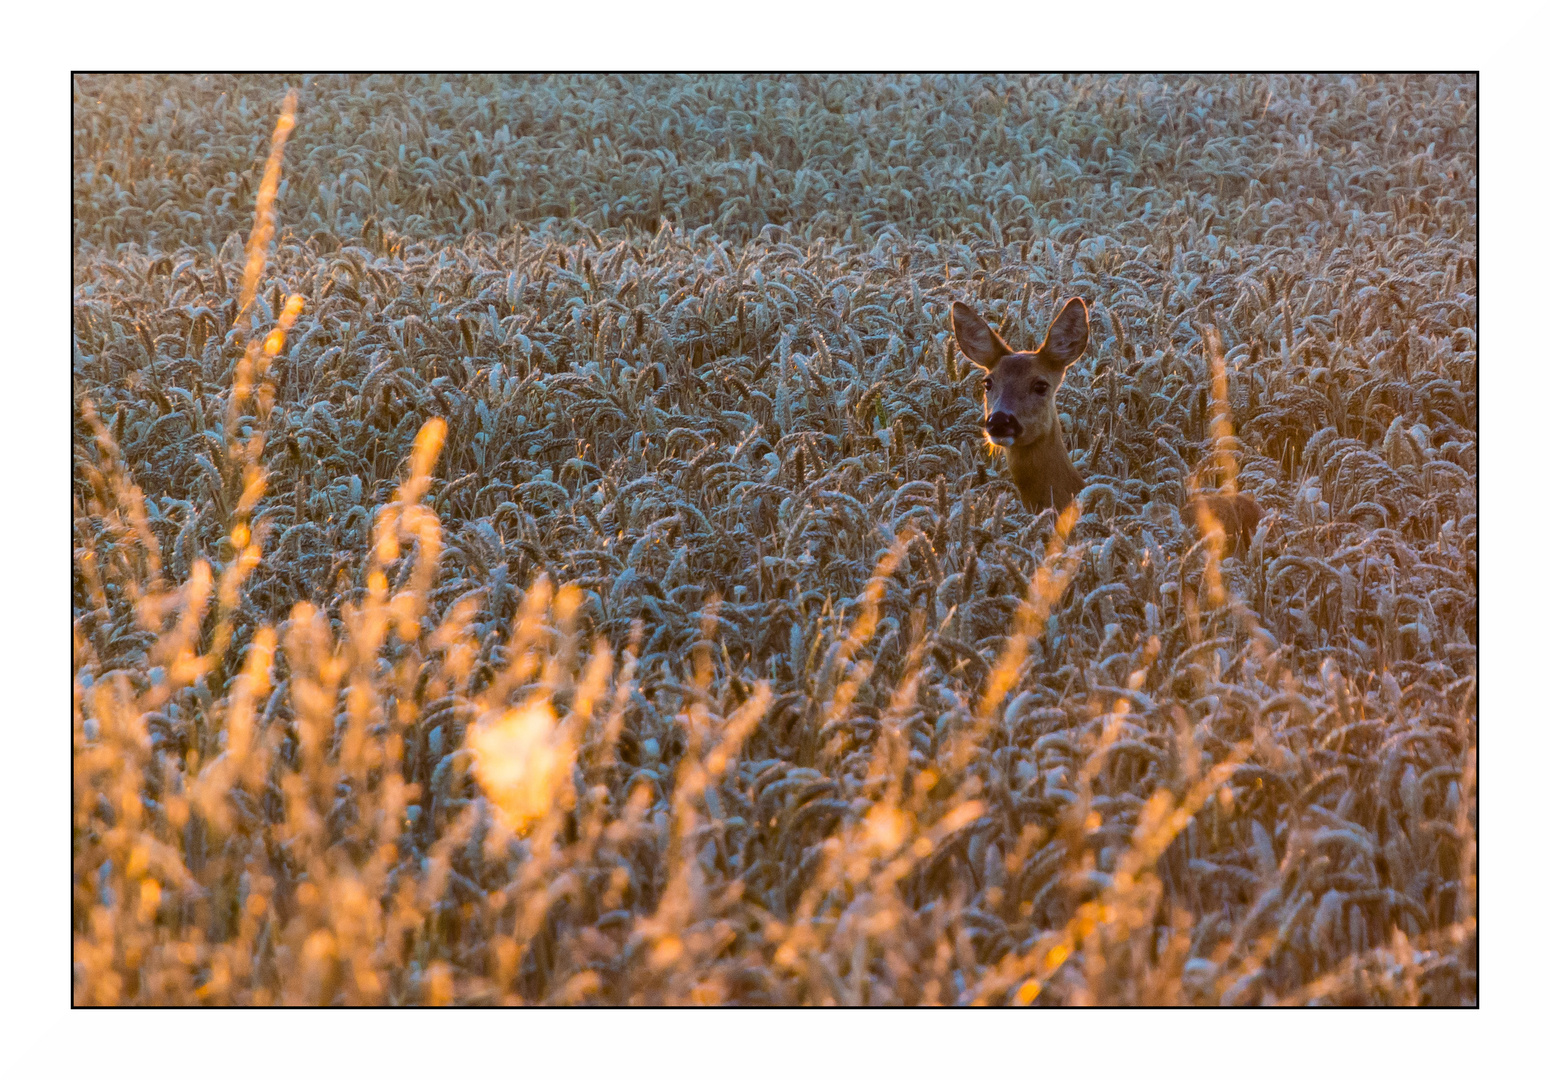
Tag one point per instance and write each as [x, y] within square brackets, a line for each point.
[1044, 474]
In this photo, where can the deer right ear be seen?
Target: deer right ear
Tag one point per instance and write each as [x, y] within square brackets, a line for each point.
[1067, 337]
[978, 341]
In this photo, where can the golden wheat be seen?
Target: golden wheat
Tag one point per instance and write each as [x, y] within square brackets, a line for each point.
[554, 557]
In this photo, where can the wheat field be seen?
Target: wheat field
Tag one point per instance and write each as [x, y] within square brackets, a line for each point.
[533, 542]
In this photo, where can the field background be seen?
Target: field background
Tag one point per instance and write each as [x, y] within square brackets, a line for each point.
[557, 560]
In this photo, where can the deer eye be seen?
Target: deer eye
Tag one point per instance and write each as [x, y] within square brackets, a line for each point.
[988, 383]
[1041, 388]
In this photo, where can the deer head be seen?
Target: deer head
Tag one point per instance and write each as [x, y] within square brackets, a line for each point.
[1020, 386]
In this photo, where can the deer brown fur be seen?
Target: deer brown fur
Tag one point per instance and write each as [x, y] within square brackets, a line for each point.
[1238, 515]
[1020, 400]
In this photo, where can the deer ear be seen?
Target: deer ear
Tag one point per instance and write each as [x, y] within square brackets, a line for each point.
[978, 341]
[1067, 337]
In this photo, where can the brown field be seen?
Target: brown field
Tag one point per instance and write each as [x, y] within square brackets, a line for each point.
[534, 542]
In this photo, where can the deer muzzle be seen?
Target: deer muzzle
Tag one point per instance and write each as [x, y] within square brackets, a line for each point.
[1002, 428]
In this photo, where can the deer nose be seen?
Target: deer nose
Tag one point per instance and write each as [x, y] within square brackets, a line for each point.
[1002, 425]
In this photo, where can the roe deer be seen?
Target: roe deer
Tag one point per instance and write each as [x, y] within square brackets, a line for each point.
[1020, 400]
[1238, 515]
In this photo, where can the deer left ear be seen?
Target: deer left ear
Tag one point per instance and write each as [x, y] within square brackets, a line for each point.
[978, 341]
[1067, 337]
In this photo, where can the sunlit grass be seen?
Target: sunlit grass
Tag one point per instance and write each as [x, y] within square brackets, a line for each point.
[583, 613]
